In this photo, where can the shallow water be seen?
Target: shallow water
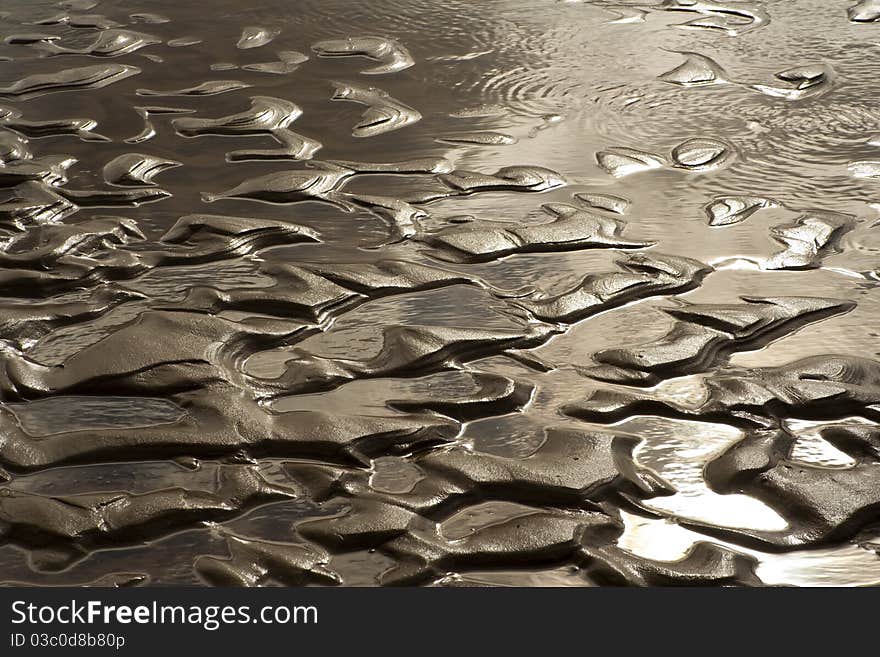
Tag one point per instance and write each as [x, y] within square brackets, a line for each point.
[546, 293]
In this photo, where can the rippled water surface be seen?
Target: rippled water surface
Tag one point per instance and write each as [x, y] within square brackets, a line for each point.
[547, 293]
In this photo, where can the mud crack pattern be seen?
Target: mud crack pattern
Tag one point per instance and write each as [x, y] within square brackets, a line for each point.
[567, 293]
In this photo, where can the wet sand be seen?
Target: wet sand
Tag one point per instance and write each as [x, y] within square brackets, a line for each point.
[386, 293]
